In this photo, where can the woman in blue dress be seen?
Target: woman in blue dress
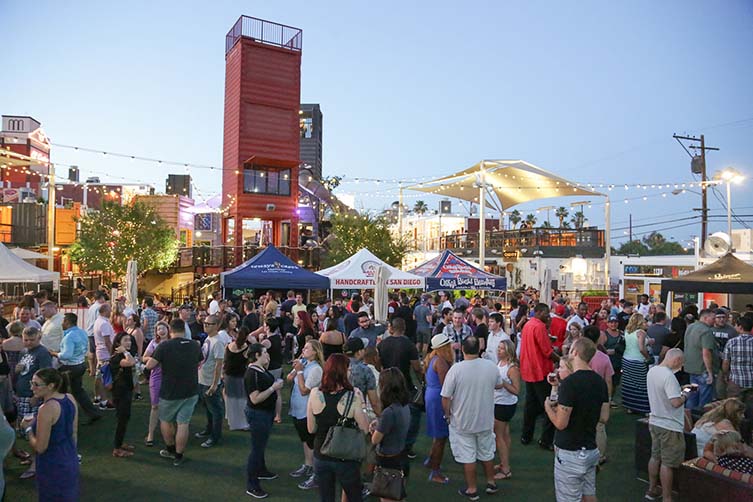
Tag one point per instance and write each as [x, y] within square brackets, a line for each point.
[52, 435]
[437, 364]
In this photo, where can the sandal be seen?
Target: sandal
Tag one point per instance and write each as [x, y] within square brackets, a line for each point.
[128, 447]
[503, 475]
[438, 477]
[21, 454]
[117, 452]
[149, 442]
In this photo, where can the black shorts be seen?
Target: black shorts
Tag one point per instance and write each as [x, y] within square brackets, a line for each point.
[92, 345]
[504, 412]
[304, 435]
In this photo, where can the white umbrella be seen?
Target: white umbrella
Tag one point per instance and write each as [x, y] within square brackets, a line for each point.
[545, 295]
[381, 277]
[132, 286]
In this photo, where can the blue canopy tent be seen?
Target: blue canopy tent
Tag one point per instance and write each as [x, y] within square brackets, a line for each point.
[271, 269]
[449, 271]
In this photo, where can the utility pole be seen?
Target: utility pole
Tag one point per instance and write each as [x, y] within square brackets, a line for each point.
[698, 166]
[630, 227]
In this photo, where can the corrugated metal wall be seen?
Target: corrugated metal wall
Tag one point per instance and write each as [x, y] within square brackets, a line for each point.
[29, 224]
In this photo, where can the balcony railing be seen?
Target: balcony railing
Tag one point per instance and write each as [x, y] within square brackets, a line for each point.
[227, 257]
[552, 242]
[265, 32]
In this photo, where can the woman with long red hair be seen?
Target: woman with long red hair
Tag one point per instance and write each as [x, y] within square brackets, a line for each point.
[327, 403]
[305, 331]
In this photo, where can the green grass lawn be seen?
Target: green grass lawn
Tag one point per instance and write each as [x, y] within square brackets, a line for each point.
[219, 473]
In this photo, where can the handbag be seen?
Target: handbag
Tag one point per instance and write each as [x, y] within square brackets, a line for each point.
[388, 483]
[344, 440]
[418, 396]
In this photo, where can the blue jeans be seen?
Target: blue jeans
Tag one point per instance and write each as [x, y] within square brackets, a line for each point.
[414, 427]
[348, 473]
[215, 407]
[260, 426]
[704, 395]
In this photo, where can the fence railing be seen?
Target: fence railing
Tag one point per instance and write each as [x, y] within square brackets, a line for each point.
[554, 242]
[226, 257]
[265, 32]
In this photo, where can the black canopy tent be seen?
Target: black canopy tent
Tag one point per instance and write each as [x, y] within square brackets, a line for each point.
[728, 274]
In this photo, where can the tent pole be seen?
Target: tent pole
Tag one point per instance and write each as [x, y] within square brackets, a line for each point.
[482, 219]
[51, 217]
[607, 244]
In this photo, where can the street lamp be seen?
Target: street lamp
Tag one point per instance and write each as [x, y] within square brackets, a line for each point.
[729, 176]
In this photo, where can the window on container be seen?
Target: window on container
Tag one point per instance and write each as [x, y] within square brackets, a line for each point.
[284, 188]
[267, 181]
[254, 181]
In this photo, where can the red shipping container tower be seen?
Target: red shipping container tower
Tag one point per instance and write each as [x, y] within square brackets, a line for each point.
[261, 149]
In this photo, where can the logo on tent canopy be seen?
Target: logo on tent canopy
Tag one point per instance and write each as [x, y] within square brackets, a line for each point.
[369, 268]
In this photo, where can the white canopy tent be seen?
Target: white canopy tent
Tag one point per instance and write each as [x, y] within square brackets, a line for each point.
[25, 254]
[359, 272]
[14, 269]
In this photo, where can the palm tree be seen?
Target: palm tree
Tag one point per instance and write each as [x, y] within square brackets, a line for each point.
[420, 207]
[579, 219]
[546, 224]
[514, 218]
[530, 220]
[561, 213]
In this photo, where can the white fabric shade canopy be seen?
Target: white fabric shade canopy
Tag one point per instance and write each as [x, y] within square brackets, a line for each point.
[15, 269]
[359, 271]
[508, 183]
[25, 254]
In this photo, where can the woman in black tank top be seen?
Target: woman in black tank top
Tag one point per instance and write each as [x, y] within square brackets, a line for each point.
[332, 340]
[324, 407]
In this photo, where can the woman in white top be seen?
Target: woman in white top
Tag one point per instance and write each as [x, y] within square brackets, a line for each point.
[505, 402]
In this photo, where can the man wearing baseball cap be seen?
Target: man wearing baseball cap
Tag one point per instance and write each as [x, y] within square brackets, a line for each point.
[359, 374]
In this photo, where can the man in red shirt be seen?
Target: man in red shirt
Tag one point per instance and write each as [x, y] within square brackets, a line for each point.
[536, 362]
[558, 326]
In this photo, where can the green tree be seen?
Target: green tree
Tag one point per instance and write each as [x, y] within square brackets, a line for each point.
[530, 220]
[514, 218]
[653, 244]
[111, 237]
[562, 213]
[579, 219]
[420, 207]
[632, 247]
[654, 239]
[354, 232]
[546, 224]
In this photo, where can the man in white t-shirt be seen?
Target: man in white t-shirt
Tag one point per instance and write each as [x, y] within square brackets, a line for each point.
[214, 305]
[579, 317]
[496, 335]
[52, 330]
[643, 305]
[210, 384]
[666, 424]
[444, 302]
[468, 404]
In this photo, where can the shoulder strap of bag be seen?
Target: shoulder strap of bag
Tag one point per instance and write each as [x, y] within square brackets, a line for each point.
[348, 404]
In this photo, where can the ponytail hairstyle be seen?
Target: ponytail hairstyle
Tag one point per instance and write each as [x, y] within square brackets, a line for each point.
[51, 376]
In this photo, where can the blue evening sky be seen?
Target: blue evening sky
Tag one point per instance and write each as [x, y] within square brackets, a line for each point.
[590, 90]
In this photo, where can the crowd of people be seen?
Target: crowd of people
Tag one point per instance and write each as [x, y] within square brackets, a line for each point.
[455, 365]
